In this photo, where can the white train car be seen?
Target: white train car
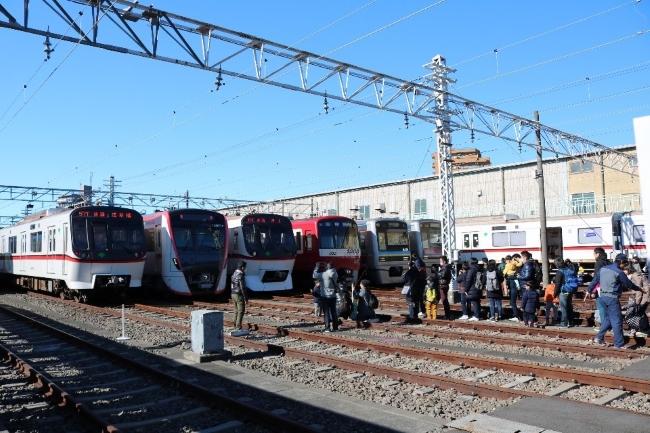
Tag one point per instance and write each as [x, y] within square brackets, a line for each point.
[75, 252]
[266, 243]
[570, 237]
[385, 250]
[187, 251]
[425, 241]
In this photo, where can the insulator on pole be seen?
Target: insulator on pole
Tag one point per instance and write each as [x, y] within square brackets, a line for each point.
[326, 105]
[218, 82]
[48, 50]
[406, 121]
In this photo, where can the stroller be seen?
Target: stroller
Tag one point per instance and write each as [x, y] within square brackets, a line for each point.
[635, 317]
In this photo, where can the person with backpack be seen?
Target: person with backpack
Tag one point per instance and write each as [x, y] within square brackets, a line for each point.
[364, 304]
[493, 291]
[328, 281]
[463, 284]
[414, 281]
[612, 282]
[566, 284]
[474, 283]
[431, 297]
[238, 293]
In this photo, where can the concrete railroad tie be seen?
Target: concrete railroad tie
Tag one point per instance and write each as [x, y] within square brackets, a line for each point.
[481, 423]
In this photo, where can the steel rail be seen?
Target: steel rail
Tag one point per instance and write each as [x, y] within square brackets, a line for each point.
[208, 396]
[54, 392]
[581, 376]
[597, 351]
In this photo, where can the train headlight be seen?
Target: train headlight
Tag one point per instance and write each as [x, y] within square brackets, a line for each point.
[176, 263]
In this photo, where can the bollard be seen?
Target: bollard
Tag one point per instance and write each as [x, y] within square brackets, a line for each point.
[123, 337]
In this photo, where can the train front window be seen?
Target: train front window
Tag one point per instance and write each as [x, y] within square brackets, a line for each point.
[392, 236]
[268, 236]
[430, 237]
[199, 237]
[334, 234]
[107, 236]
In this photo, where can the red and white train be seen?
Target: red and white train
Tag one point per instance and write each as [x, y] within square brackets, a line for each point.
[75, 252]
[266, 243]
[333, 239]
[186, 251]
[571, 237]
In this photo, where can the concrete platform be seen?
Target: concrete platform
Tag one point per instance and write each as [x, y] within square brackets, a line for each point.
[572, 417]
[638, 370]
[386, 417]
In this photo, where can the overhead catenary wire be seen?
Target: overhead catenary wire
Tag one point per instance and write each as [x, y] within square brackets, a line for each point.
[197, 116]
[56, 68]
[557, 58]
[356, 40]
[577, 83]
[545, 33]
[643, 88]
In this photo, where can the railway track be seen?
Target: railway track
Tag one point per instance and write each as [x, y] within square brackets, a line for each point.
[113, 391]
[472, 375]
[498, 327]
[566, 380]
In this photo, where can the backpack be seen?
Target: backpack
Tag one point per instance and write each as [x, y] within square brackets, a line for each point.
[491, 283]
[571, 281]
[477, 283]
[539, 275]
[374, 302]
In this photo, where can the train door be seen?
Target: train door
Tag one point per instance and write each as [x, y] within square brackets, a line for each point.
[51, 250]
[554, 241]
[23, 251]
[64, 269]
[298, 235]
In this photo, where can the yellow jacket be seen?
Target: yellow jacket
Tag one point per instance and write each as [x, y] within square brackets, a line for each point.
[511, 268]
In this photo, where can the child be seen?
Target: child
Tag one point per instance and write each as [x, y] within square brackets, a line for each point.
[529, 304]
[551, 308]
[431, 297]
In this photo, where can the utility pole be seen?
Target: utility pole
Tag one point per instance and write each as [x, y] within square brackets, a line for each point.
[539, 174]
[112, 183]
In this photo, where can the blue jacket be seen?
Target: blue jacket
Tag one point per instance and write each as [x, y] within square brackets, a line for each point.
[529, 300]
[612, 281]
[527, 273]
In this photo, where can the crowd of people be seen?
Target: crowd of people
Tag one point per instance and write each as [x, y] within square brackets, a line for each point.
[518, 278]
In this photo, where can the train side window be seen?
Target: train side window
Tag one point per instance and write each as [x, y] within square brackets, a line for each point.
[12, 244]
[465, 240]
[590, 235]
[518, 239]
[51, 239]
[500, 239]
[298, 242]
[36, 242]
[23, 242]
[474, 240]
[638, 233]
[310, 242]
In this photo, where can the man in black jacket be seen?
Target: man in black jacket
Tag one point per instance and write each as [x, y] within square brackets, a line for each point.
[444, 280]
[468, 282]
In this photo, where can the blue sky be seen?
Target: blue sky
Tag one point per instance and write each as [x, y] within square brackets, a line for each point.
[160, 128]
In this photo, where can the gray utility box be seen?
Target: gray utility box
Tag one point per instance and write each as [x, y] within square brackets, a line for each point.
[207, 331]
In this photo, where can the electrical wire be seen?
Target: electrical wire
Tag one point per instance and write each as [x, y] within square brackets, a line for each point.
[576, 83]
[558, 58]
[545, 33]
[643, 88]
[56, 68]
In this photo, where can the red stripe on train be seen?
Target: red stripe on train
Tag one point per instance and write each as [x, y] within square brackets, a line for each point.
[574, 248]
[60, 257]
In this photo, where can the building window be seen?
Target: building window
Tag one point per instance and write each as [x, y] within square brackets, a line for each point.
[583, 202]
[590, 235]
[420, 207]
[36, 242]
[638, 233]
[331, 212]
[578, 167]
[364, 212]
